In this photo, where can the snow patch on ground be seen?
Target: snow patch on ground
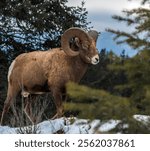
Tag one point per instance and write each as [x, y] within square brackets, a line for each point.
[142, 118]
[108, 125]
[79, 126]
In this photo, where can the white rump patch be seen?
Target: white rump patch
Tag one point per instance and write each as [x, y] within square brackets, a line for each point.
[10, 70]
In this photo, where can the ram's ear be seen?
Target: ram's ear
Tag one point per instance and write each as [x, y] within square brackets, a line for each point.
[94, 34]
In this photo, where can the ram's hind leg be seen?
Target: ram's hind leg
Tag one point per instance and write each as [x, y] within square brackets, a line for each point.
[59, 104]
[11, 95]
[6, 107]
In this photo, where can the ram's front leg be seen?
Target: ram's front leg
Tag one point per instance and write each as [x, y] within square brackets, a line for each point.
[57, 94]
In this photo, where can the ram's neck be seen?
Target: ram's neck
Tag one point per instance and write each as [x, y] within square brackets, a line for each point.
[79, 68]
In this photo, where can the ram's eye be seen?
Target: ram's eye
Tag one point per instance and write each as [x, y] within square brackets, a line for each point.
[85, 46]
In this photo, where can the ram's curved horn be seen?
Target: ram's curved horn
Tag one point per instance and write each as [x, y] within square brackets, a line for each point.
[94, 34]
[83, 36]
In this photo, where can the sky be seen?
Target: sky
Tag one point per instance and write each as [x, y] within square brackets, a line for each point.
[100, 15]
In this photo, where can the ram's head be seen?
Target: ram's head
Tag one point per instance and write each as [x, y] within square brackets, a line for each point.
[84, 44]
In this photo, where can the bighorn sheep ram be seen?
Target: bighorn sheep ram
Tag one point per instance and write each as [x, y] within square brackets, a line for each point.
[48, 71]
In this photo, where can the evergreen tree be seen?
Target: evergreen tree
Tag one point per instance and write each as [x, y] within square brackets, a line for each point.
[99, 104]
[28, 25]
[137, 68]
[140, 19]
[136, 87]
[3, 79]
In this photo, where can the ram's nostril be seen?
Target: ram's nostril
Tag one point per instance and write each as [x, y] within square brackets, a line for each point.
[97, 59]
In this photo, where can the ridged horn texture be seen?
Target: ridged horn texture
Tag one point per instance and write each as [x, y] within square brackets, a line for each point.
[94, 34]
[71, 33]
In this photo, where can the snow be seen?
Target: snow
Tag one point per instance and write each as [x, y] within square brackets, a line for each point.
[108, 125]
[78, 126]
[142, 118]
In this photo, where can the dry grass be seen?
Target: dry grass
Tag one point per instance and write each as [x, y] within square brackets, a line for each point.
[42, 108]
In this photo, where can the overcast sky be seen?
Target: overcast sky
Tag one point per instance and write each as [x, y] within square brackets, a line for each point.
[100, 11]
[100, 15]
